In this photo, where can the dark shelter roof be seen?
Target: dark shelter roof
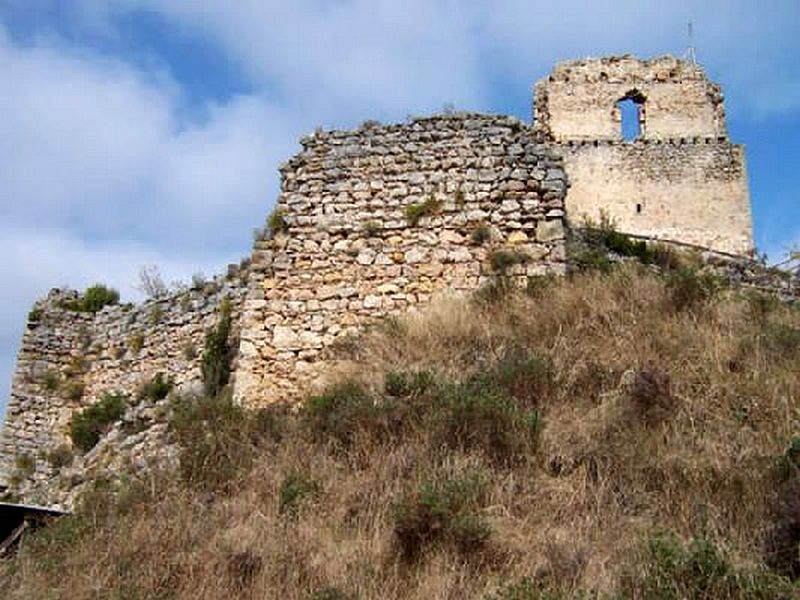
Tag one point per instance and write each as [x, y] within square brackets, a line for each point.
[12, 516]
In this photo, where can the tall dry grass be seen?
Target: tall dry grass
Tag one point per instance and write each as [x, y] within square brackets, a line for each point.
[657, 418]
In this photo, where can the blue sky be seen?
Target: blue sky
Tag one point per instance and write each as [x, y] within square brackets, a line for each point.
[138, 132]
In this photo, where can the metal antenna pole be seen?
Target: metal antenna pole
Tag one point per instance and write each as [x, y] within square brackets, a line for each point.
[690, 53]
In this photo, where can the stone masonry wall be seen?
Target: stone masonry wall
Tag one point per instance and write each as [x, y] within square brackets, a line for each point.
[351, 255]
[680, 180]
[578, 100]
[693, 191]
[68, 359]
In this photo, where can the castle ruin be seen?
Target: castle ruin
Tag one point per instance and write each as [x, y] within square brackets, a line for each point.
[375, 221]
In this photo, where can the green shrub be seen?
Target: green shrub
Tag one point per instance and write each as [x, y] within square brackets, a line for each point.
[404, 384]
[25, 465]
[501, 261]
[525, 377]
[88, 425]
[93, 299]
[761, 304]
[155, 315]
[156, 389]
[372, 228]
[480, 235]
[60, 456]
[216, 363]
[687, 289]
[330, 593]
[480, 415]
[789, 462]
[189, 350]
[136, 342]
[276, 223]
[35, 315]
[343, 410]
[539, 285]
[51, 380]
[294, 490]
[671, 570]
[442, 511]
[415, 212]
[592, 259]
[72, 389]
[782, 340]
[529, 589]
[215, 436]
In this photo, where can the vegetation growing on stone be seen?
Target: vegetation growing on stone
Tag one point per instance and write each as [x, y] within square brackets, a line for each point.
[93, 299]
[480, 235]
[216, 367]
[88, 425]
[277, 223]
[415, 212]
[156, 388]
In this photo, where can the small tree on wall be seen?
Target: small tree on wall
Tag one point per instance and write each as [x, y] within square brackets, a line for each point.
[216, 365]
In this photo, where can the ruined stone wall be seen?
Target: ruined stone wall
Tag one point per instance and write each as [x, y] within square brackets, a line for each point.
[578, 100]
[695, 192]
[68, 359]
[352, 255]
[680, 180]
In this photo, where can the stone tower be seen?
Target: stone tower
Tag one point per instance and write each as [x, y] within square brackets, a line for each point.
[675, 176]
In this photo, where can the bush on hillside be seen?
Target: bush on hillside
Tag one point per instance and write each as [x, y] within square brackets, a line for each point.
[445, 510]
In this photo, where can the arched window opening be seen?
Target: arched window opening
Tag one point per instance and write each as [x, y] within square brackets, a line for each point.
[631, 112]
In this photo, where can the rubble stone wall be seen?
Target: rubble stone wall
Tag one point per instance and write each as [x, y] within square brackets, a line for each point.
[68, 360]
[578, 100]
[352, 254]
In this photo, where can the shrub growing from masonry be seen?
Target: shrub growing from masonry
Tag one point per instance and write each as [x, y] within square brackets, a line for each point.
[216, 363]
[156, 389]
[93, 299]
[60, 456]
[72, 389]
[415, 212]
[88, 425]
[277, 223]
[480, 235]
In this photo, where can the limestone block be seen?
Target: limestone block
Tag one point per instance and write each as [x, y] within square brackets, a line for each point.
[517, 237]
[284, 338]
[549, 231]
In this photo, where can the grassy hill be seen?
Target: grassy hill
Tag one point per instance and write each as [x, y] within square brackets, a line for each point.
[622, 435]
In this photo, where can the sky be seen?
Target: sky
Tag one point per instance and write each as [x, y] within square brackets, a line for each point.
[149, 132]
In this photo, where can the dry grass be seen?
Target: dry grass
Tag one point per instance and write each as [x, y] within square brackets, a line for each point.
[655, 417]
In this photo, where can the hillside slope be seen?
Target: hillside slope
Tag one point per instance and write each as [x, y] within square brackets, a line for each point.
[621, 435]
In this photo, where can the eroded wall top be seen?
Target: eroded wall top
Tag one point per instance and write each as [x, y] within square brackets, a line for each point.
[579, 99]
